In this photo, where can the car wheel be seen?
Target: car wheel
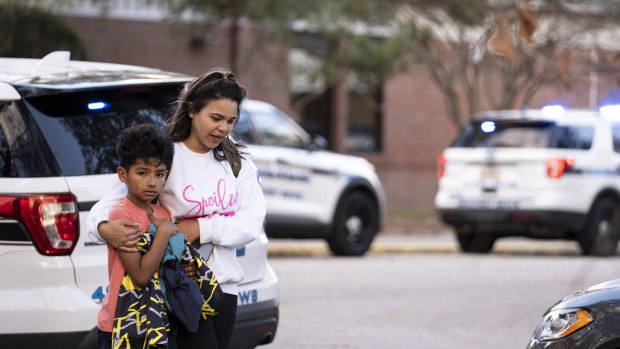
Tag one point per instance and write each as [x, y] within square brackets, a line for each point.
[473, 241]
[600, 237]
[355, 225]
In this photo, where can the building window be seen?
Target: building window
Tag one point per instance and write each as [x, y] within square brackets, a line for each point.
[313, 104]
[364, 129]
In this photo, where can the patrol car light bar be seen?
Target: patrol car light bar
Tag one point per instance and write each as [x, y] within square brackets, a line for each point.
[553, 111]
[610, 110]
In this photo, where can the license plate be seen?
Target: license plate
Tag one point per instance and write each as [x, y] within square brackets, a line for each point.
[489, 173]
[491, 204]
[489, 178]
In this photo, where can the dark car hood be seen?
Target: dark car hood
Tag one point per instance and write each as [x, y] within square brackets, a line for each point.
[605, 294]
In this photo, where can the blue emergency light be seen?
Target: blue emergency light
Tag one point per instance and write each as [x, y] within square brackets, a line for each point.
[487, 126]
[97, 105]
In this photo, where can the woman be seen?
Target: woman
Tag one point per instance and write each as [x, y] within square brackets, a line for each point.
[209, 204]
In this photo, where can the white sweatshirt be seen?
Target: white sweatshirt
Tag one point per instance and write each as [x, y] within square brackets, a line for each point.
[230, 210]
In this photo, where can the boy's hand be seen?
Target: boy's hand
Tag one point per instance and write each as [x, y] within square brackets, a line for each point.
[123, 234]
[190, 228]
[163, 225]
[190, 269]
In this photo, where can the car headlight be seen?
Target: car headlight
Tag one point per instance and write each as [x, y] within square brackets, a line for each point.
[562, 322]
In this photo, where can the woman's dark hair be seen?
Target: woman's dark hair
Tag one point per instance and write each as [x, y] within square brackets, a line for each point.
[144, 141]
[213, 85]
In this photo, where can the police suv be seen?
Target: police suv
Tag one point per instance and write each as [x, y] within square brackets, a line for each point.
[551, 173]
[310, 192]
[59, 120]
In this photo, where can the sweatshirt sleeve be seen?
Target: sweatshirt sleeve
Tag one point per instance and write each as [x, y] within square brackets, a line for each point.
[100, 211]
[247, 222]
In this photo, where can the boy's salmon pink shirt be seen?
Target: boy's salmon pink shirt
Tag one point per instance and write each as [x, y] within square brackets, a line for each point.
[124, 210]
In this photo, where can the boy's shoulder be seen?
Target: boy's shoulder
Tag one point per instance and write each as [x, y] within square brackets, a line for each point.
[126, 210]
[122, 210]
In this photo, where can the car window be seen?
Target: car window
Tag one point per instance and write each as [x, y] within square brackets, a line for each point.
[513, 134]
[7, 165]
[573, 137]
[243, 130]
[81, 127]
[616, 137]
[21, 151]
[488, 133]
[274, 129]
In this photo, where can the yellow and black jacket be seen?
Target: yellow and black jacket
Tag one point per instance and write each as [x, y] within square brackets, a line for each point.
[142, 313]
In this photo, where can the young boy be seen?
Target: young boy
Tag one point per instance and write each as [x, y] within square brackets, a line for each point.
[134, 295]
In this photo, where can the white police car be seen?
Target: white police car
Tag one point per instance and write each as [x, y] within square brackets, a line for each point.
[310, 192]
[58, 123]
[548, 173]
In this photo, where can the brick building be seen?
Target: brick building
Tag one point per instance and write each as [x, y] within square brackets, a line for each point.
[413, 125]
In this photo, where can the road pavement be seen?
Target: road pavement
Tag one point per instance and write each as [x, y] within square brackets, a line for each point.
[424, 300]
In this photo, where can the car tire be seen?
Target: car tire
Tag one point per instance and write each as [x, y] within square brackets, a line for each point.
[355, 225]
[600, 237]
[472, 241]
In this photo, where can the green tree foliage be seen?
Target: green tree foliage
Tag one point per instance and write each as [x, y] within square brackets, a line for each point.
[33, 31]
[359, 42]
[200, 16]
[354, 36]
[341, 29]
[481, 54]
[367, 38]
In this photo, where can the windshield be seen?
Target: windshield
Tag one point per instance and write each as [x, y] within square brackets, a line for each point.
[519, 134]
[271, 129]
[81, 127]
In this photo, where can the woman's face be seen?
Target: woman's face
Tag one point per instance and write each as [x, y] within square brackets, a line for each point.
[211, 124]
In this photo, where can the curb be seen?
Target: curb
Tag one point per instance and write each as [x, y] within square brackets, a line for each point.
[435, 243]
[318, 247]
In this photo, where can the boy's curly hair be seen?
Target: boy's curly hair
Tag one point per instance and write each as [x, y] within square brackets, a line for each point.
[144, 141]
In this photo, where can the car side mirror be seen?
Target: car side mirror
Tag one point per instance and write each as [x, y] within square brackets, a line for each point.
[318, 143]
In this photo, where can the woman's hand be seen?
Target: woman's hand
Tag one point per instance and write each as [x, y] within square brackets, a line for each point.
[190, 228]
[163, 225]
[123, 234]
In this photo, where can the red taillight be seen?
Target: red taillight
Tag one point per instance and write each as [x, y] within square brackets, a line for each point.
[51, 221]
[557, 166]
[441, 166]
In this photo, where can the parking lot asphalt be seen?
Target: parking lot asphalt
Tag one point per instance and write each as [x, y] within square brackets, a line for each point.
[426, 241]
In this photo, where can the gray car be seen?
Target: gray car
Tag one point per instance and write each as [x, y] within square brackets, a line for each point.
[588, 318]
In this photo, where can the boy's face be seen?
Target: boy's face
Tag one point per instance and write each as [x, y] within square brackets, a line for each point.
[144, 180]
